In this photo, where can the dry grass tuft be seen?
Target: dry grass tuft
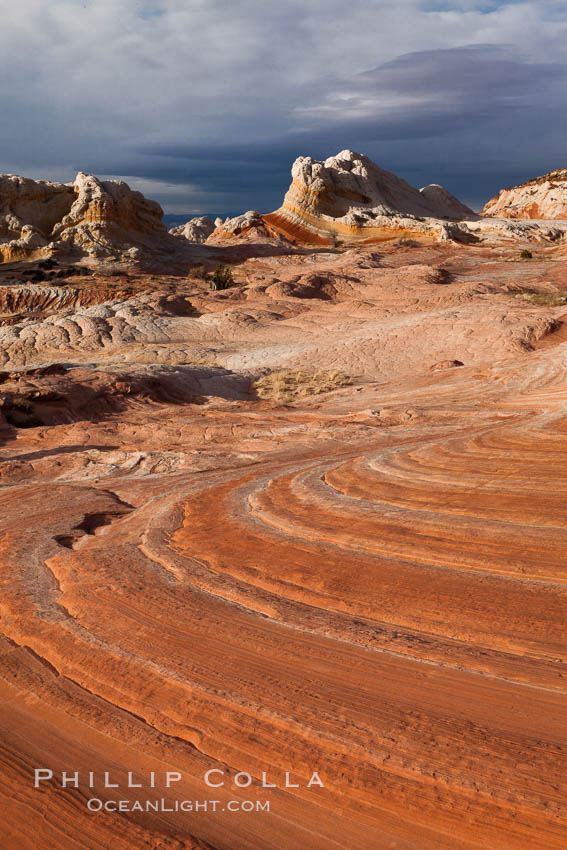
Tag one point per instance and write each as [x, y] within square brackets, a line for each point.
[543, 299]
[290, 384]
[19, 412]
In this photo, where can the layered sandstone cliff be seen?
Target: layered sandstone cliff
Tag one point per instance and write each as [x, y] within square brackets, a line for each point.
[542, 198]
[349, 196]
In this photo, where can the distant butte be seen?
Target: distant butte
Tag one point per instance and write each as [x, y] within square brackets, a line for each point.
[348, 196]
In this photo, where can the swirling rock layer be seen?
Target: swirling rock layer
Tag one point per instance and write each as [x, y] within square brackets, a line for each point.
[369, 584]
[348, 199]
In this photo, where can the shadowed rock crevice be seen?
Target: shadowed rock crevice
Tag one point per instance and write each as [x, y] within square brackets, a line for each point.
[93, 523]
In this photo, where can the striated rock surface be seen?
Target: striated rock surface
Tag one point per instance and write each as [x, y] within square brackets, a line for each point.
[348, 199]
[348, 196]
[542, 198]
[196, 230]
[368, 581]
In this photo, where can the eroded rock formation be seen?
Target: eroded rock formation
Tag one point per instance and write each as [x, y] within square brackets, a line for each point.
[29, 211]
[250, 222]
[348, 196]
[196, 230]
[542, 198]
[92, 218]
[347, 199]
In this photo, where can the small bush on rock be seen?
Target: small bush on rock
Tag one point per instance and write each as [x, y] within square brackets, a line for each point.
[222, 278]
[20, 413]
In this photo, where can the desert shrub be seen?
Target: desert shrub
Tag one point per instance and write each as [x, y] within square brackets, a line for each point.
[21, 403]
[407, 243]
[541, 298]
[526, 255]
[222, 278]
[289, 384]
[19, 412]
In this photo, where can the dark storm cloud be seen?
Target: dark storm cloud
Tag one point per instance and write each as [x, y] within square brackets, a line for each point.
[204, 104]
[475, 115]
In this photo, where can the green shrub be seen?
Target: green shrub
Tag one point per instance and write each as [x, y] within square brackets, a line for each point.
[222, 278]
[526, 255]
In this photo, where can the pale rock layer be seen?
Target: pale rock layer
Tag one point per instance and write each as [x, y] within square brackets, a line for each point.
[542, 198]
[90, 218]
[348, 199]
[195, 230]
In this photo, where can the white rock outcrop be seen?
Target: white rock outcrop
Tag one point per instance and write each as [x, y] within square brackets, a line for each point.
[250, 222]
[88, 218]
[351, 180]
[196, 230]
[542, 198]
[349, 199]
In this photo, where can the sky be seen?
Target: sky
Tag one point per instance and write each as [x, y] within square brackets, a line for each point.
[203, 105]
